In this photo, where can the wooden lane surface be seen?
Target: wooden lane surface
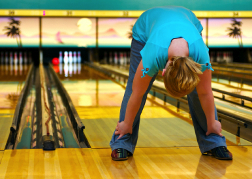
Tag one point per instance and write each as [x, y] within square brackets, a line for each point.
[13, 72]
[226, 106]
[232, 84]
[173, 162]
[155, 130]
[223, 84]
[99, 110]
[158, 128]
[232, 87]
[5, 124]
[9, 94]
[11, 83]
[179, 163]
[61, 163]
[235, 88]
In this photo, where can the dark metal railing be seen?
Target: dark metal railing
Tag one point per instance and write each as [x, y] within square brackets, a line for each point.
[241, 97]
[245, 66]
[19, 109]
[74, 117]
[225, 93]
[241, 77]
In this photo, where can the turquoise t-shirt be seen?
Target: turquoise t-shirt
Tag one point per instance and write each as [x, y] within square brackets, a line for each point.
[157, 27]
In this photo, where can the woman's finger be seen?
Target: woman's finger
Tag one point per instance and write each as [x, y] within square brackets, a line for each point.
[120, 136]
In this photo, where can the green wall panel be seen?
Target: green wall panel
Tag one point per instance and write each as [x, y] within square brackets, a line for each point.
[203, 5]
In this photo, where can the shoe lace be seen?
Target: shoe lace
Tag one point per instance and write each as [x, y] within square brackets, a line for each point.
[225, 149]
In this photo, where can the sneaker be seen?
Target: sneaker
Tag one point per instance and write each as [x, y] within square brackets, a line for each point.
[120, 154]
[221, 153]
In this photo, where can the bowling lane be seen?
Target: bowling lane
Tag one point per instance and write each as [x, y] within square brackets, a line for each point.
[97, 100]
[246, 91]
[233, 108]
[223, 84]
[174, 162]
[12, 79]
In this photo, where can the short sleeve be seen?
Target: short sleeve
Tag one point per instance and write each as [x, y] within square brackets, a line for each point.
[199, 52]
[154, 58]
[197, 23]
[199, 26]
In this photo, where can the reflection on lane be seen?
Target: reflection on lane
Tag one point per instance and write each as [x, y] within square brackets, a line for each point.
[98, 99]
[12, 79]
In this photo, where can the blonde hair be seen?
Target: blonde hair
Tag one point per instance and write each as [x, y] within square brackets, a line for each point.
[181, 76]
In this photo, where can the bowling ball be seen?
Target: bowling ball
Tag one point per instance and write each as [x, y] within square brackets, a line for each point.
[56, 68]
[55, 61]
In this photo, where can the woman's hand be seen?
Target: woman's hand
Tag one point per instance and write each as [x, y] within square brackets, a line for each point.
[215, 128]
[123, 128]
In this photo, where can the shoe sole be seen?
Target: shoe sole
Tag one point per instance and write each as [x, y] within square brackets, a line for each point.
[119, 159]
[209, 154]
[223, 158]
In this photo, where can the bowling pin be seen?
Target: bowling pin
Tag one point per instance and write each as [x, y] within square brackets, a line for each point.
[20, 58]
[70, 69]
[125, 58]
[79, 57]
[11, 58]
[2, 57]
[15, 69]
[74, 57]
[70, 57]
[218, 59]
[15, 58]
[60, 68]
[60, 57]
[115, 58]
[121, 58]
[128, 58]
[20, 69]
[65, 57]
[225, 57]
[66, 69]
[11, 69]
[25, 58]
[79, 68]
[6, 69]
[74, 68]
[110, 58]
[6, 58]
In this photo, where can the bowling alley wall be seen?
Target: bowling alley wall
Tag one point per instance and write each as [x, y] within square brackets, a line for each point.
[100, 29]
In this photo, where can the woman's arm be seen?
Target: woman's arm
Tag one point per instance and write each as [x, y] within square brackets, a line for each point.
[206, 98]
[139, 88]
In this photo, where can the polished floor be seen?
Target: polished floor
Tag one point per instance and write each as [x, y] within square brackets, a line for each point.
[166, 148]
[172, 162]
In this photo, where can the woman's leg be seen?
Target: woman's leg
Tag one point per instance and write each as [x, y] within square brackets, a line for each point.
[205, 142]
[129, 141]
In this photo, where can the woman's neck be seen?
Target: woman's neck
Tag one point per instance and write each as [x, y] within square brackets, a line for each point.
[178, 47]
